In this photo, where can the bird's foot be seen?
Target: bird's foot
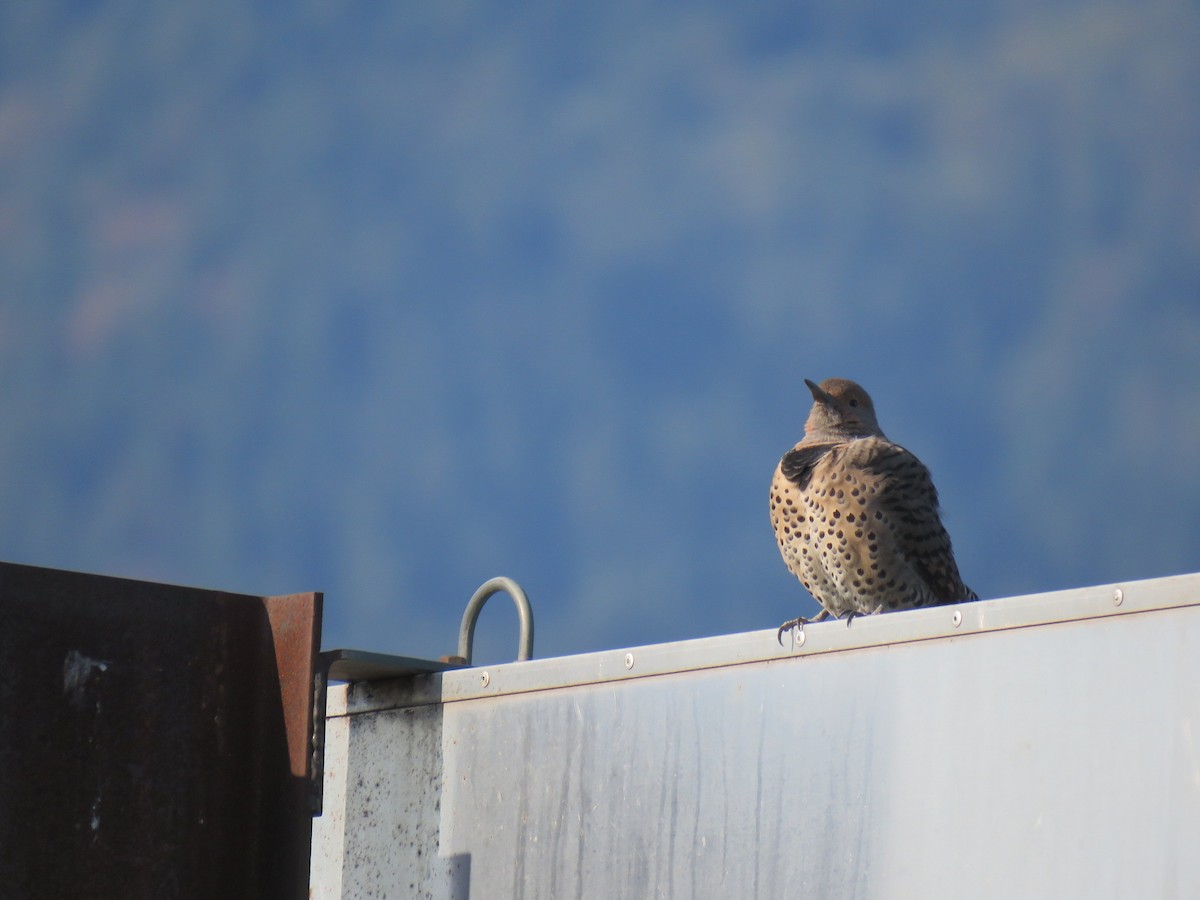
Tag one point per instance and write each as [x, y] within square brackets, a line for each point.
[799, 622]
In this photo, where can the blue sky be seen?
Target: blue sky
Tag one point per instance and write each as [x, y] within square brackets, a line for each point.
[385, 300]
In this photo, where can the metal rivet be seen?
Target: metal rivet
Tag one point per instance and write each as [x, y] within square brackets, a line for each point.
[484, 678]
[956, 618]
[799, 637]
[1118, 597]
[629, 660]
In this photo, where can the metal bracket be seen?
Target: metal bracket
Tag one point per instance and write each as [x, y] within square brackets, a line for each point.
[466, 631]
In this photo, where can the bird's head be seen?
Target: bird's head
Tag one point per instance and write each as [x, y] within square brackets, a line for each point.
[841, 410]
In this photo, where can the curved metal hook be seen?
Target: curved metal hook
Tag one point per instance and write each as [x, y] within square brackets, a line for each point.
[466, 631]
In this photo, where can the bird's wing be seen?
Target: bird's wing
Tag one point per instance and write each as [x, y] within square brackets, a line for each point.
[798, 463]
[910, 502]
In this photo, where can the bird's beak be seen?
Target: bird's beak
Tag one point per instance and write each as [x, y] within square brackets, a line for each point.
[819, 395]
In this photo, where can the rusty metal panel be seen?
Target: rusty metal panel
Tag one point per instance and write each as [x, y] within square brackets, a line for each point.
[156, 739]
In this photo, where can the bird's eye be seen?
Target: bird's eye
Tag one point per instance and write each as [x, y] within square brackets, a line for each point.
[853, 402]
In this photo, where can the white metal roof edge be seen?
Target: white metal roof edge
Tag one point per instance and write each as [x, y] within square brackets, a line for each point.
[932, 623]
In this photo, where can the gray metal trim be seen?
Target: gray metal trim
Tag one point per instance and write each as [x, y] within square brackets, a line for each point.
[934, 623]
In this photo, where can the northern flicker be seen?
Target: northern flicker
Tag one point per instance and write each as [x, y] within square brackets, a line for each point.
[856, 516]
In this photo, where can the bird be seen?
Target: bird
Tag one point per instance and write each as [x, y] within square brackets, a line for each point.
[856, 516]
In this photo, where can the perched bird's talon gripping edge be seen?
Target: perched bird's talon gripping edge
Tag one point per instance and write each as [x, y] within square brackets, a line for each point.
[788, 626]
[798, 623]
[856, 516]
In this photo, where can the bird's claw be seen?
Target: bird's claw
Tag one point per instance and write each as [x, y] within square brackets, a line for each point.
[798, 622]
